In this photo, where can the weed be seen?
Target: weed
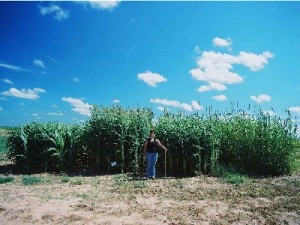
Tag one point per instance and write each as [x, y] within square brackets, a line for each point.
[31, 180]
[140, 184]
[64, 179]
[229, 175]
[121, 180]
[77, 181]
[4, 180]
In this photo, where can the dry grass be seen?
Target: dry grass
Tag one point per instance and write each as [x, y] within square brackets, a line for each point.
[118, 199]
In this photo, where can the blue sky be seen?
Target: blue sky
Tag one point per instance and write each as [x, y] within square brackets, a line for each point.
[59, 58]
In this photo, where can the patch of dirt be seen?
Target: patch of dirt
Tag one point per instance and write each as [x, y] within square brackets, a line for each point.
[111, 200]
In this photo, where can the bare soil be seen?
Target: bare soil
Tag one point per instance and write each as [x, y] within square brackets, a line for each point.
[121, 199]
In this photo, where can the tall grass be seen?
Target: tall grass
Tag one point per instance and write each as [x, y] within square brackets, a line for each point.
[2, 145]
[256, 144]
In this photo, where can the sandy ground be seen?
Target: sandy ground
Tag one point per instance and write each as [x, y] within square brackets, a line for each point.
[119, 199]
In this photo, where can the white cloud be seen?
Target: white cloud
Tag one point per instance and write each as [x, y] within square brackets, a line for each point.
[160, 108]
[186, 107]
[13, 67]
[24, 93]
[220, 98]
[218, 67]
[104, 5]
[116, 101]
[212, 86]
[253, 61]
[196, 105]
[173, 103]
[39, 63]
[268, 112]
[222, 42]
[7, 81]
[261, 98]
[166, 102]
[79, 106]
[55, 114]
[295, 109]
[75, 80]
[37, 90]
[197, 50]
[151, 79]
[57, 12]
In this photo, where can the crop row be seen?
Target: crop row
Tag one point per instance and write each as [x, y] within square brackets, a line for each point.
[256, 144]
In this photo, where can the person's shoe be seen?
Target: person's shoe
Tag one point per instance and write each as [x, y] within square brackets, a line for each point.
[153, 177]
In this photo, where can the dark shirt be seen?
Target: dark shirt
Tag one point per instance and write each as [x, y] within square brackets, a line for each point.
[152, 146]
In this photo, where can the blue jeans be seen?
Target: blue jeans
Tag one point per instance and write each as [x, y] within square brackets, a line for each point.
[151, 162]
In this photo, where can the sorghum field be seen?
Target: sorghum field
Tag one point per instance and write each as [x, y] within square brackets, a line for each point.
[222, 168]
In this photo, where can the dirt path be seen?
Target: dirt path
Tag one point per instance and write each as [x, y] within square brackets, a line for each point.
[119, 200]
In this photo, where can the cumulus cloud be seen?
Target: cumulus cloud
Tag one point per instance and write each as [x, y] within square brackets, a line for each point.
[7, 81]
[220, 98]
[32, 94]
[295, 109]
[39, 63]
[173, 103]
[116, 101]
[212, 86]
[104, 5]
[196, 105]
[13, 67]
[218, 67]
[152, 79]
[253, 61]
[78, 105]
[222, 42]
[261, 98]
[57, 12]
[215, 67]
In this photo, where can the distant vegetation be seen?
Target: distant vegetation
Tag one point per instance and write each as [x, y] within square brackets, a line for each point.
[253, 144]
[2, 144]
[3, 133]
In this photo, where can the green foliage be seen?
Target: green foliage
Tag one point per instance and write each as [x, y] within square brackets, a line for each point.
[39, 147]
[121, 180]
[31, 180]
[229, 175]
[76, 181]
[6, 179]
[255, 144]
[2, 145]
[64, 179]
[116, 134]
[140, 184]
